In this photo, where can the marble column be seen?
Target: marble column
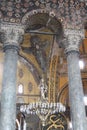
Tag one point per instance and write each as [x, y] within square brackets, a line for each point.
[11, 38]
[71, 45]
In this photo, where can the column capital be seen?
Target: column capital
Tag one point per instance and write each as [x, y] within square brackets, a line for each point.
[72, 40]
[11, 35]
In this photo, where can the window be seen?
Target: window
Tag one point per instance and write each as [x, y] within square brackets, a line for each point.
[20, 89]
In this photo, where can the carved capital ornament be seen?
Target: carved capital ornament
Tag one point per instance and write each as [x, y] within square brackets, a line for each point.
[11, 35]
[72, 40]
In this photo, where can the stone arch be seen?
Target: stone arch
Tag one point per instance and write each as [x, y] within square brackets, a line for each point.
[64, 92]
[63, 95]
[39, 18]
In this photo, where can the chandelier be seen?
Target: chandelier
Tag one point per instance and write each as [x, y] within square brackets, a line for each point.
[42, 108]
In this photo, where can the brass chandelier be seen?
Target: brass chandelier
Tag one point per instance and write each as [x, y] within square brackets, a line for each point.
[42, 108]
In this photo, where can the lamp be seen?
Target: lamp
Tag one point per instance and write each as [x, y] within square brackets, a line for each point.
[42, 108]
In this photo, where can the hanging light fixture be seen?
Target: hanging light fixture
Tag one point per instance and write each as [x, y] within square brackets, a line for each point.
[42, 108]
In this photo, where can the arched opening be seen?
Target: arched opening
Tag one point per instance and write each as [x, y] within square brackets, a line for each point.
[38, 19]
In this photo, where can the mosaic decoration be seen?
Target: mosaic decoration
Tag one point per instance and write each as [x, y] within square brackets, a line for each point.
[53, 79]
[20, 73]
[72, 12]
[30, 86]
[38, 49]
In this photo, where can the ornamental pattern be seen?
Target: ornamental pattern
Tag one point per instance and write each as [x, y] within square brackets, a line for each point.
[72, 12]
[12, 36]
[73, 39]
[53, 79]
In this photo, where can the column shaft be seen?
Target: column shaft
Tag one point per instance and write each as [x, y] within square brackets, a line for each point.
[8, 95]
[76, 92]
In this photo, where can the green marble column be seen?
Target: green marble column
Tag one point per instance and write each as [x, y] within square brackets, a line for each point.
[11, 39]
[71, 45]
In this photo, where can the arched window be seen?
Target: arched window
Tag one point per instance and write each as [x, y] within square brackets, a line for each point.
[20, 89]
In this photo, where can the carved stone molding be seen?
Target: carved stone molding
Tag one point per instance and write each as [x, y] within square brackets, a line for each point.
[11, 35]
[72, 40]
